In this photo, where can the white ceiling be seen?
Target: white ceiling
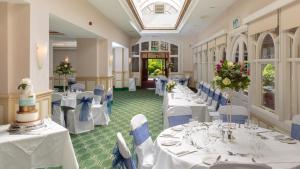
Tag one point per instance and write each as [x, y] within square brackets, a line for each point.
[204, 12]
[69, 30]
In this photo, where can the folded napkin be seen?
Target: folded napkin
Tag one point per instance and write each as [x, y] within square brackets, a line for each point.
[169, 142]
[181, 150]
[169, 133]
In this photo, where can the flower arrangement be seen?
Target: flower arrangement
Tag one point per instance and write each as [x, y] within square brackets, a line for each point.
[64, 68]
[170, 86]
[229, 75]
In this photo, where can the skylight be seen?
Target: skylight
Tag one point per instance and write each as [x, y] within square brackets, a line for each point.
[159, 14]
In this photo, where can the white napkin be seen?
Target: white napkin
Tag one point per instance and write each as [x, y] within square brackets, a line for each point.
[169, 133]
[181, 150]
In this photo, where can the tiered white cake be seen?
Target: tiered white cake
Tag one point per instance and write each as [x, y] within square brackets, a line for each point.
[27, 112]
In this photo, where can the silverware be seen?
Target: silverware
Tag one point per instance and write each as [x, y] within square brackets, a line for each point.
[253, 160]
[218, 158]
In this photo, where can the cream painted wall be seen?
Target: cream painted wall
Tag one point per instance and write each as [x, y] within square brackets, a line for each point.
[87, 58]
[3, 47]
[241, 9]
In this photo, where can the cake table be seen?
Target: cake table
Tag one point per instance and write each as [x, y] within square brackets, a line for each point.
[47, 147]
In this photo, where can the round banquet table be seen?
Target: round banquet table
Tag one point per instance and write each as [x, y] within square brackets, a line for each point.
[198, 145]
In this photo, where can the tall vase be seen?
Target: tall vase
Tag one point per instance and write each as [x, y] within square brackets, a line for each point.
[229, 113]
[64, 84]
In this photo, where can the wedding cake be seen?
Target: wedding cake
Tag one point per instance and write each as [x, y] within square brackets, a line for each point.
[27, 112]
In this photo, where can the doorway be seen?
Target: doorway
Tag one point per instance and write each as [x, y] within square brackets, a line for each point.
[153, 64]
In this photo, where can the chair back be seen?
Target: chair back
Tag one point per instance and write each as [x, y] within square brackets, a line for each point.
[56, 100]
[78, 87]
[122, 155]
[83, 107]
[162, 85]
[239, 114]
[109, 99]
[98, 94]
[141, 137]
[235, 165]
[57, 113]
[216, 99]
[295, 131]
[179, 115]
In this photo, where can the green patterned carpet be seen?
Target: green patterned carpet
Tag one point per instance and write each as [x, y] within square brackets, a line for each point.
[93, 149]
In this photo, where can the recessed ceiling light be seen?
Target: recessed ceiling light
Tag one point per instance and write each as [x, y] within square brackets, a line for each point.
[204, 17]
[212, 7]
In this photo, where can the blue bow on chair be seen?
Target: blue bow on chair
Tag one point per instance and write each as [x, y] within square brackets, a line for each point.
[163, 83]
[109, 102]
[85, 110]
[56, 103]
[120, 162]
[182, 81]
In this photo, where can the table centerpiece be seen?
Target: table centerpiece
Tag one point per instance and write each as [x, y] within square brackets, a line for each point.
[230, 77]
[64, 69]
[170, 86]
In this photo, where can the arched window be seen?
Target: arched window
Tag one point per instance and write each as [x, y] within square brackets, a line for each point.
[267, 70]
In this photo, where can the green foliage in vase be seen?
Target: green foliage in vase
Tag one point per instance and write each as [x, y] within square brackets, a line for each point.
[64, 68]
[229, 75]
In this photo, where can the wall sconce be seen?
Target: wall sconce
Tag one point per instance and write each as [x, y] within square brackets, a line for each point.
[41, 53]
[110, 60]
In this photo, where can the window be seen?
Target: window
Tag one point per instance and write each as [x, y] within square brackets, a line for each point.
[135, 64]
[135, 49]
[164, 46]
[154, 46]
[174, 49]
[145, 46]
[267, 73]
[174, 60]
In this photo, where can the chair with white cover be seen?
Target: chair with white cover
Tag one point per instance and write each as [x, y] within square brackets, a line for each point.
[236, 165]
[142, 141]
[239, 114]
[295, 131]
[162, 85]
[98, 94]
[183, 81]
[222, 102]
[131, 85]
[178, 115]
[157, 85]
[81, 120]
[78, 87]
[215, 101]
[57, 113]
[122, 156]
[100, 113]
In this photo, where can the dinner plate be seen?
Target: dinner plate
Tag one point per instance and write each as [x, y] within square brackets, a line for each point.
[169, 142]
[177, 128]
[210, 160]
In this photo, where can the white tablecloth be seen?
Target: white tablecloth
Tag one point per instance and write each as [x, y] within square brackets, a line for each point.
[270, 151]
[47, 147]
[183, 96]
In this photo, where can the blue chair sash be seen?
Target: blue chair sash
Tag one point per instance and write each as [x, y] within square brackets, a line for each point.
[223, 101]
[295, 133]
[108, 99]
[140, 134]
[182, 81]
[98, 92]
[239, 119]
[211, 93]
[177, 120]
[216, 97]
[119, 162]
[85, 109]
[163, 84]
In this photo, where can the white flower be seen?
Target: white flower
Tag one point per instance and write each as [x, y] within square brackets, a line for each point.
[226, 81]
[230, 64]
[26, 81]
